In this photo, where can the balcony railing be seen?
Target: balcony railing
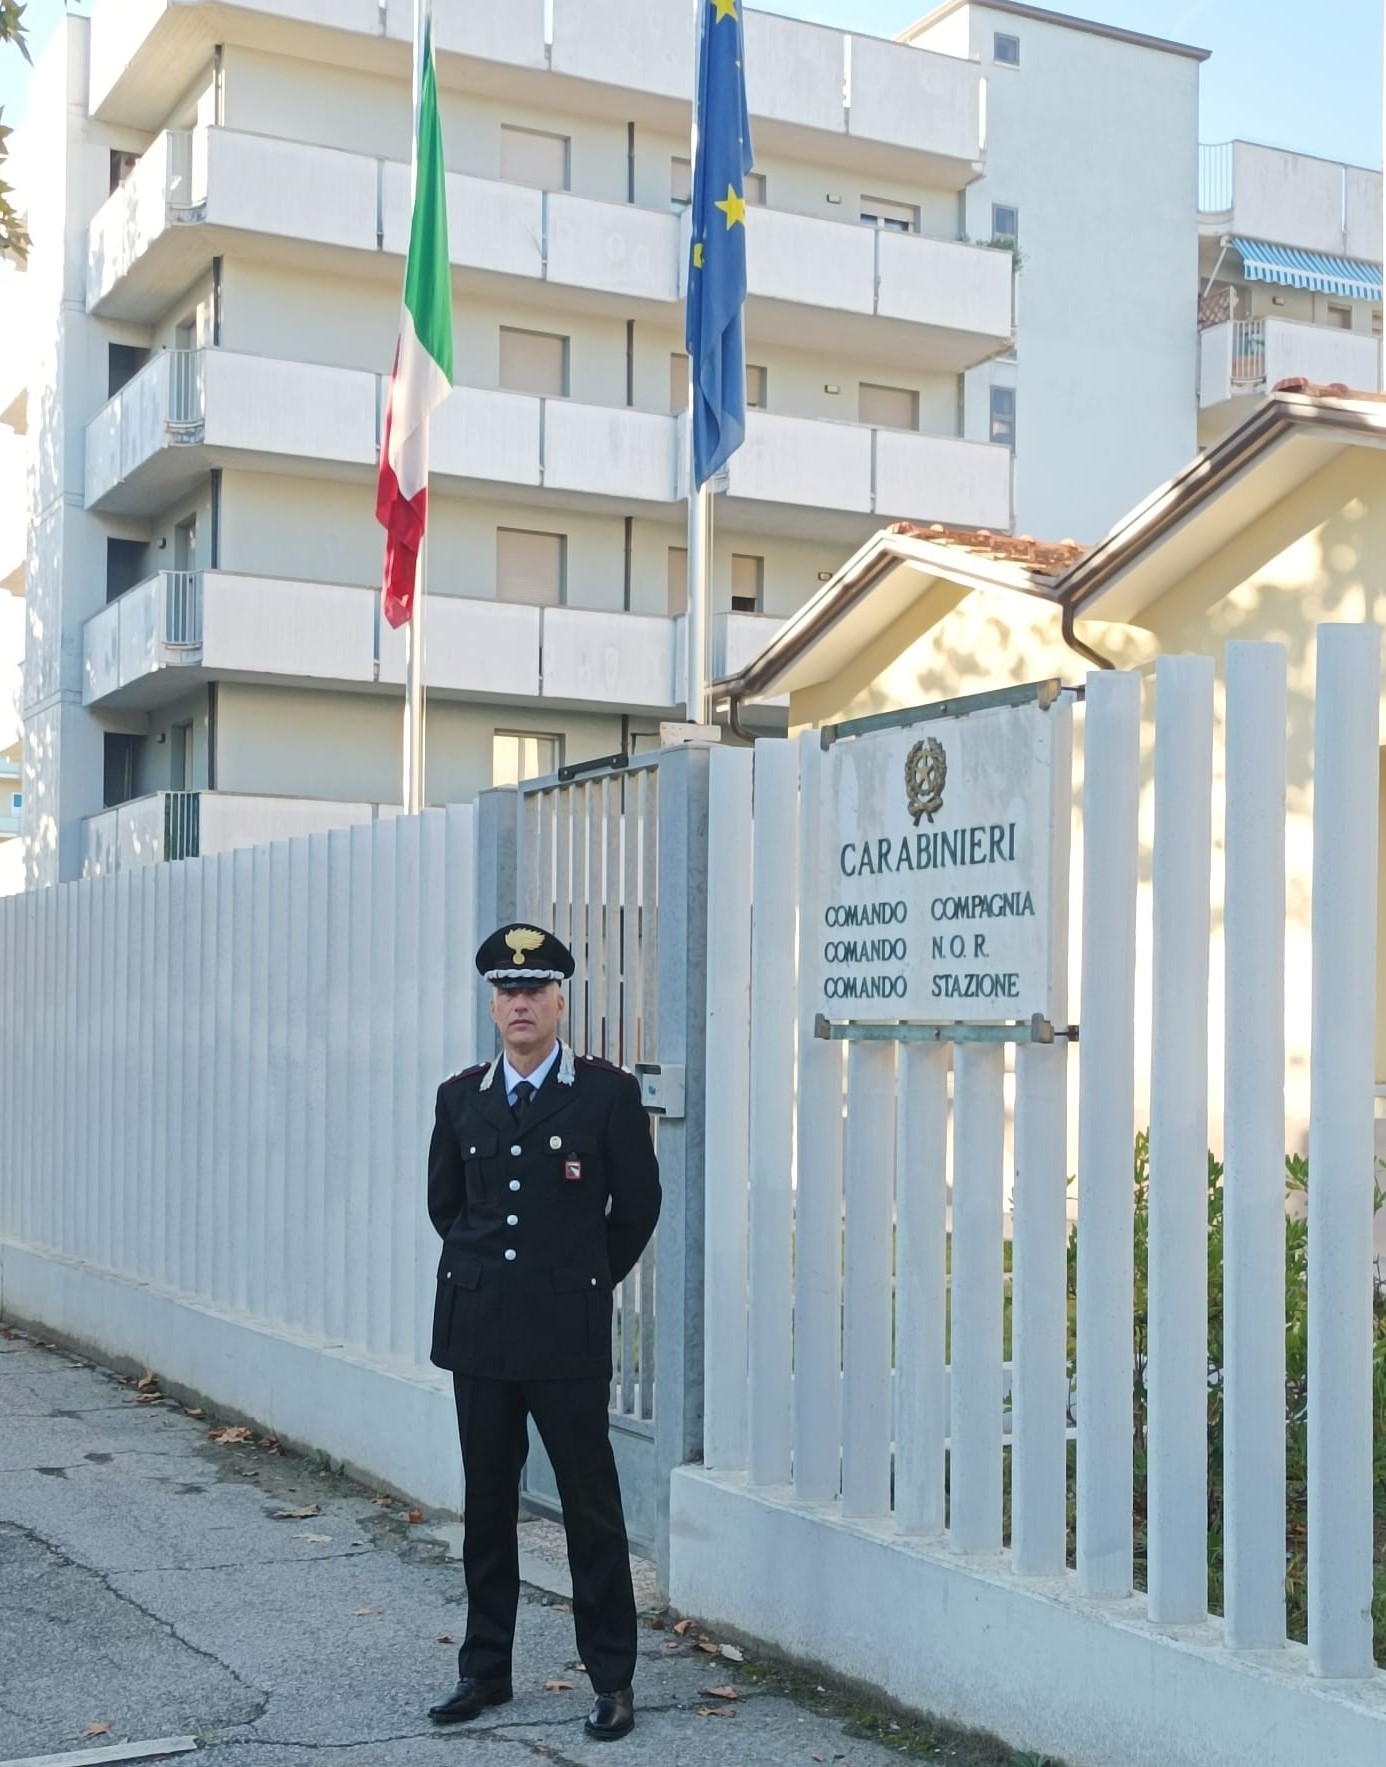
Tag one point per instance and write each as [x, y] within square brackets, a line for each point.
[183, 609]
[1243, 357]
[1214, 177]
[182, 824]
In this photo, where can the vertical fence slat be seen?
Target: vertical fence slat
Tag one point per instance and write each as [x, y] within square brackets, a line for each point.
[1253, 1143]
[616, 837]
[978, 1296]
[774, 835]
[277, 1217]
[1341, 1158]
[361, 1083]
[869, 1186]
[237, 1061]
[314, 1178]
[1177, 1377]
[818, 1181]
[921, 1300]
[727, 1144]
[336, 1034]
[407, 1157]
[1106, 1128]
[434, 914]
[1039, 1311]
[257, 1095]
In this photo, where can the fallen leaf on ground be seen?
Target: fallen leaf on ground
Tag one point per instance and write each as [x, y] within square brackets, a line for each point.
[271, 1444]
[541, 1748]
[683, 1626]
[150, 1399]
[147, 1380]
[233, 1432]
[193, 1411]
[733, 1653]
[713, 1649]
[297, 1515]
[558, 1687]
[721, 1693]
[443, 1638]
[362, 1613]
[97, 1730]
[382, 1502]
[673, 1644]
[657, 1623]
[716, 1711]
[820, 1757]
[413, 1516]
[317, 1539]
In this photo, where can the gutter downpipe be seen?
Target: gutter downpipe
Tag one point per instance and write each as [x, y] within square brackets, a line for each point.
[1076, 644]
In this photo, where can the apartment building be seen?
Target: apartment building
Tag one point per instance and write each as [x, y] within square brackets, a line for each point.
[219, 201]
[1290, 251]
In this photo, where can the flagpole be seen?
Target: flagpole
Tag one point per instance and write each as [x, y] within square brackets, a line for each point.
[413, 640]
[699, 496]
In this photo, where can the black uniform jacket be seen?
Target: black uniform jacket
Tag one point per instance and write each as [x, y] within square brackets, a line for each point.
[531, 1250]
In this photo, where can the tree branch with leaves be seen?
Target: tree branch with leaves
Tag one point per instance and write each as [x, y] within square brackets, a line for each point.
[14, 237]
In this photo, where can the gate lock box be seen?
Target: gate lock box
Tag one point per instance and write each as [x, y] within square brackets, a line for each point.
[661, 1088]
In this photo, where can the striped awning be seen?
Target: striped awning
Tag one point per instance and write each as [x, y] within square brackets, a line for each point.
[1349, 277]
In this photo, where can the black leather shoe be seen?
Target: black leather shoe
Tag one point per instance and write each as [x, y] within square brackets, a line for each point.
[469, 1699]
[612, 1716]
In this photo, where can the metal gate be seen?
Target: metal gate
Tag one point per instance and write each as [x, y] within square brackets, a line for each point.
[614, 859]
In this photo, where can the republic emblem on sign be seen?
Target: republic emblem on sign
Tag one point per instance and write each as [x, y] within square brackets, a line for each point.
[926, 774]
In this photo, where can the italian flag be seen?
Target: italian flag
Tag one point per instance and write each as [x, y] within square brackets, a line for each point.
[422, 375]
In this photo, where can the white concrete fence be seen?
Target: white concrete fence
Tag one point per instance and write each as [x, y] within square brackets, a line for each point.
[850, 1508]
[216, 1088]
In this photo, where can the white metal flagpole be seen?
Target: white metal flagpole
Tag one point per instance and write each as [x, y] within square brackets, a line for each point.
[414, 635]
[699, 497]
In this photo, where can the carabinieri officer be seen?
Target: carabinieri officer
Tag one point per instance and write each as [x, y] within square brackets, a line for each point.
[543, 1184]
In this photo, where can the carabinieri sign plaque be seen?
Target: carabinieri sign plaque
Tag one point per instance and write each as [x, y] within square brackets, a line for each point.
[946, 851]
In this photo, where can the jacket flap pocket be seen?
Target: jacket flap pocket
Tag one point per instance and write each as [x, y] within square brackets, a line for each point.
[567, 1282]
[477, 1144]
[460, 1272]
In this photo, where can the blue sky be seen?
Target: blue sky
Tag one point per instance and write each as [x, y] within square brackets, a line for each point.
[1289, 72]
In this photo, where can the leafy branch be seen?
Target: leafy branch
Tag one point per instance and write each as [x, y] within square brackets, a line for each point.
[14, 236]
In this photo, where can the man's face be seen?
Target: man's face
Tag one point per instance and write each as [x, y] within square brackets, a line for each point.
[527, 1019]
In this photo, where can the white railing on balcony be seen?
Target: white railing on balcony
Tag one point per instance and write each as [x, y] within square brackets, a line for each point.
[183, 609]
[165, 402]
[181, 824]
[1214, 177]
[186, 384]
[1249, 356]
[187, 172]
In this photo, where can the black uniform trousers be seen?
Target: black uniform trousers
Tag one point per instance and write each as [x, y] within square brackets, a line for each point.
[572, 1419]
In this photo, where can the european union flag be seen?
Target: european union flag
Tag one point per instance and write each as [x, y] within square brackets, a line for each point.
[717, 271]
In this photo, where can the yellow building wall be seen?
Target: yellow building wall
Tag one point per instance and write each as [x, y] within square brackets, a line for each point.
[1319, 557]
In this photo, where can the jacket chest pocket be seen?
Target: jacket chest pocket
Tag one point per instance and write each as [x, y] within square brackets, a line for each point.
[479, 1147]
[577, 1164]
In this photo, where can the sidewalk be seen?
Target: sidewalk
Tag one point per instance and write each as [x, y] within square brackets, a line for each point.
[154, 1585]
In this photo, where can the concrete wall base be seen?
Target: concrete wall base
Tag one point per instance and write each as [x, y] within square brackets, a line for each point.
[390, 1426]
[1092, 1683]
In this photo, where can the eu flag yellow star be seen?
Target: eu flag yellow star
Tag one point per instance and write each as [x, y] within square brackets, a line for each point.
[698, 255]
[724, 9]
[734, 208]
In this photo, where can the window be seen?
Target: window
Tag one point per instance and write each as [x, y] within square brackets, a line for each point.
[127, 563]
[757, 387]
[123, 363]
[888, 407]
[678, 382]
[678, 581]
[681, 184]
[531, 568]
[16, 802]
[1003, 416]
[521, 754]
[534, 362]
[1341, 317]
[1005, 51]
[748, 583]
[891, 217]
[1005, 221]
[529, 157]
[121, 754]
[122, 165]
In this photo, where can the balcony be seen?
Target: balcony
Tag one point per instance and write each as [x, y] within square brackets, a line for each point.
[1242, 359]
[815, 283]
[821, 469]
[179, 629]
[188, 410]
[169, 825]
[1290, 199]
[874, 100]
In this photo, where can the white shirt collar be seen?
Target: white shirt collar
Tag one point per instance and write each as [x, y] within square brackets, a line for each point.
[536, 1079]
